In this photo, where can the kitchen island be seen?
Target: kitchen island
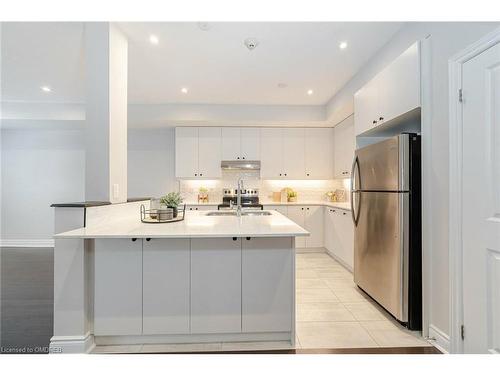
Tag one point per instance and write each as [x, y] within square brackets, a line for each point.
[204, 279]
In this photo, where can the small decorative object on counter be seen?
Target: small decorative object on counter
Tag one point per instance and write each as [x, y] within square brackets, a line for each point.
[291, 196]
[276, 196]
[163, 214]
[203, 195]
[340, 194]
[154, 205]
[172, 200]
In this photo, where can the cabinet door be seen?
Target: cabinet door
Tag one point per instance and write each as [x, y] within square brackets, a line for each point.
[329, 229]
[344, 146]
[117, 287]
[267, 284]
[346, 237]
[319, 153]
[294, 153]
[366, 106]
[282, 209]
[314, 224]
[201, 207]
[186, 152]
[250, 143]
[215, 285]
[166, 286]
[209, 149]
[297, 215]
[271, 153]
[400, 85]
[231, 149]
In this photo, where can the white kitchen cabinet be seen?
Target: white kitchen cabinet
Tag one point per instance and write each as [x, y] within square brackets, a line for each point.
[298, 216]
[166, 284]
[250, 143]
[344, 146]
[282, 209]
[293, 153]
[201, 207]
[209, 152]
[240, 144]
[314, 225]
[319, 154]
[271, 153]
[267, 278]
[215, 285]
[117, 287]
[391, 93]
[339, 235]
[186, 152]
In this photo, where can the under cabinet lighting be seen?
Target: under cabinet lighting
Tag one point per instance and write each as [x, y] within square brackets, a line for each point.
[310, 92]
[46, 89]
[184, 90]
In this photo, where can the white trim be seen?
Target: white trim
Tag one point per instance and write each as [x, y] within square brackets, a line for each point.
[72, 344]
[439, 339]
[455, 184]
[340, 261]
[26, 243]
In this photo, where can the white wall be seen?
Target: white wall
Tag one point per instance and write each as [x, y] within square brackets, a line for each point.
[446, 39]
[39, 167]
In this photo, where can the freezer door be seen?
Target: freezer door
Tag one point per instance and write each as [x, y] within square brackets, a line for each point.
[382, 165]
[381, 249]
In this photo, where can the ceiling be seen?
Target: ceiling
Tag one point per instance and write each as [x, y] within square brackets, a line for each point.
[214, 64]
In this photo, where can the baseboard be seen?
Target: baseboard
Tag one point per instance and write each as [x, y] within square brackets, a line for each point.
[303, 250]
[71, 344]
[26, 243]
[439, 339]
[342, 263]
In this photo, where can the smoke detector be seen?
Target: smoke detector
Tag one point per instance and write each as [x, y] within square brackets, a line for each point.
[251, 43]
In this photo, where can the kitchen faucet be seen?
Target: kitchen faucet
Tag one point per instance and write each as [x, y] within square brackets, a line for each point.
[238, 197]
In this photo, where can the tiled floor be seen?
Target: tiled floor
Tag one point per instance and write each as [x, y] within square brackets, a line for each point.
[332, 313]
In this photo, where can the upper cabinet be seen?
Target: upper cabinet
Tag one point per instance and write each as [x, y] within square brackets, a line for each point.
[240, 143]
[296, 153]
[393, 92]
[197, 152]
[343, 147]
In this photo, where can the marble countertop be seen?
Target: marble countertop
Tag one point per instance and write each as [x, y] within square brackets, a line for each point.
[196, 225]
[340, 205]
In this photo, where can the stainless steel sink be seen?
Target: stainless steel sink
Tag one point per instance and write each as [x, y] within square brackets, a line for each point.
[243, 213]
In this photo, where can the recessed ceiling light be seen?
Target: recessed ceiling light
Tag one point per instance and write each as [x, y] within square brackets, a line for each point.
[343, 45]
[310, 92]
[154, 39]
[184, 90]
[282, 85]
[46, 89]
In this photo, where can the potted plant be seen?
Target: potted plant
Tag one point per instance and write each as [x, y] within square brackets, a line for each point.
[172, 200]
[292, 195]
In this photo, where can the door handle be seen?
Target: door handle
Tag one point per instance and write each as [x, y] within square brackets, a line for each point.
[354, 211]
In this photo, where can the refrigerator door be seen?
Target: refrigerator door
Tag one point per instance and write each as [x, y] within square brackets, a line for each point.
[382, 166]
[381, 249]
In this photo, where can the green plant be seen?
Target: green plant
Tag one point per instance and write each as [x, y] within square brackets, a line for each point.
[203, 190]
[172, 199]
[291, 193]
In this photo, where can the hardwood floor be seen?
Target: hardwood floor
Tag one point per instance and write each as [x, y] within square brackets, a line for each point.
[27, 299]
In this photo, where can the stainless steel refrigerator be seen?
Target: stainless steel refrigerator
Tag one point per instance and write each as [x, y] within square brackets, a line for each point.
[386, 210]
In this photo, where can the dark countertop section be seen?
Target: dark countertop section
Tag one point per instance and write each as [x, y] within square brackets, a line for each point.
[93, 203]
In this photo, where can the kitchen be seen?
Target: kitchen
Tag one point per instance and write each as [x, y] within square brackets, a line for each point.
[256, 219]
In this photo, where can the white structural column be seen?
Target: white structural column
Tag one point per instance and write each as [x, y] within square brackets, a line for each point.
[106, 54]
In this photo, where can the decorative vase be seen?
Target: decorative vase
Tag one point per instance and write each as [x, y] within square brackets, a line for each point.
[175, 211]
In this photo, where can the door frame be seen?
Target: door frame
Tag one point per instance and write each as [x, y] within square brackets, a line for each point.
[455, 211]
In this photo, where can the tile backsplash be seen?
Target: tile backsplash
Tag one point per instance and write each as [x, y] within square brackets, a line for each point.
[307, 190]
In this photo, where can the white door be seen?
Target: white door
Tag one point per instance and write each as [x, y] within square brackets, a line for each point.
[366, 106]
[271, 153]
[293, 153]
[314, 224]
[209, 152]
[481, 202]
[250, 143]
[231, 149]
[319, 153]
[186, 152]
[297, 215]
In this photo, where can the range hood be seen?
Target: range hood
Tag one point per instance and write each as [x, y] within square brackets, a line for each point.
[240, 165]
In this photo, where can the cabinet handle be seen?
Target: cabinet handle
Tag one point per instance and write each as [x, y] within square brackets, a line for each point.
[344, 213]
[380, 118]
[196, 208]
[196, 174]
[285, 174]
[134, 239]
[238, 158]
[307, 207]
[201, 174]
[302, 208]
[374, 121]
[307, 174]
[148, 239]
[234, 238]
[248, 238]
[280, 174]
[243, 158]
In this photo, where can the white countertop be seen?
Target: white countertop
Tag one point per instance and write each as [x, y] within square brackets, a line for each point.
[196, 224]
[340, 205]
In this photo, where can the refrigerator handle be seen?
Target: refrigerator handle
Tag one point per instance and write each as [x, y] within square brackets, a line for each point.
[355, 166]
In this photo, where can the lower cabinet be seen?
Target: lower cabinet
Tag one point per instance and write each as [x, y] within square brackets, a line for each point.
[310, 218]
[166, 284]
[339, 235]
[267, 285]
[118, 287]
[201, 207]
[215, 285]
